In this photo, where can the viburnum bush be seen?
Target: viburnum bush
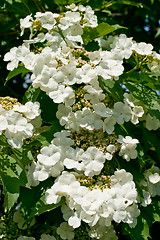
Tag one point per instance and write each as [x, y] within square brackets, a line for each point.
[79, 157]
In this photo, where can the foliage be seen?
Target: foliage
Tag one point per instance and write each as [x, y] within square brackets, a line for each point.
[88, 125]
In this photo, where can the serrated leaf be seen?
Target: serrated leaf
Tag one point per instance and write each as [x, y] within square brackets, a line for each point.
[89, 34]
[15, 72]
[151, 213]
[140, 232]
[13, 177]
[147, 96]
[149, 79]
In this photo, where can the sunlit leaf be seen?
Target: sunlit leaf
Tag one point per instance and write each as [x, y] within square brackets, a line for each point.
[15, 72]
[102, 29]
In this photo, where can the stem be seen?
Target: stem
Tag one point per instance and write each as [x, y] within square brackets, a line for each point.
[16, 152]
[26, 6]
[65, 5]
[133, 69]
[37, 5]
[37, 94]
[60, 32]
[108, 5]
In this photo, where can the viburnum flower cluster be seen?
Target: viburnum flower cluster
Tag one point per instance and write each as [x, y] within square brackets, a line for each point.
[70, 75]
[19, 121]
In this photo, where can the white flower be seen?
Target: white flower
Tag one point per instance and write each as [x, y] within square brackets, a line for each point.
[25, 23]
[51, 196]
[152, 123]
[3, 122]
[47, 20]
[74, 221]
[94, 57]
[47, 237]
[111, 150]
[73, 16]
[18, 218]
[62, 139]
[15, 55]
[128, 147]
[88, 119]
[154, 178]
[25, 238]
[121, 177]
[86, 74]
[41, 172]
[65, 185]
[65, 231]
[73, 7]
[56, 170]
[74, 30]
[146, 198]
[136, 112]
[62, 94]
[63, 111]
[108, 124]
[121, 112]
[93, 160]
[17, 123]
[73, 159]
[90, 18]
[69, 74]
[123, 45]
[143, 48]
[101, 110]
[94, 94]
[64, 23]
[67, 212]
[109, 67]
[50, 155]
[152, 185]
[30, 110]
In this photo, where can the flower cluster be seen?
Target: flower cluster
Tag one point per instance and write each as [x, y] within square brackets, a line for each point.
[71, 76]
[17, 121]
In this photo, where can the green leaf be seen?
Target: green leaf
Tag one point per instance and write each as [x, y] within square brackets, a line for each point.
[33, 200]
[149, 79]
[3, 141]
[13, 177]
[15, 72]
[48, 108]
[44, 138]
[31, 94]
[148, 97]
[101, 30]
[132, 3]
[140, 232]
[42, 207]
[112, 87]
[151, 141]
[23, 155]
